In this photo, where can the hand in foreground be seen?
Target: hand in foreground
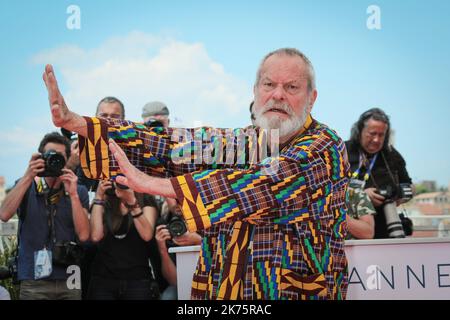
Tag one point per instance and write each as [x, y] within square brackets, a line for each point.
[35, 166]
[188, 239]
[375, 197]
[133, 177]
[70, 182]
[102, 187]
[126, 195]
[60, 112]
[61, 115]
[138, 180]
[162, 235]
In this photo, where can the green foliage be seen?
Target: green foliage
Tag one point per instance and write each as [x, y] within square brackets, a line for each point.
[420, 188]
[7, 247]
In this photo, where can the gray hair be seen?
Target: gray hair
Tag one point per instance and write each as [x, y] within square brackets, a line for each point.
[376, 114]
[112, 100]
[291, 52]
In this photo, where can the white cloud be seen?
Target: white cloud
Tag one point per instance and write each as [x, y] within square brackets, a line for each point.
[138, 68]
[21, 141]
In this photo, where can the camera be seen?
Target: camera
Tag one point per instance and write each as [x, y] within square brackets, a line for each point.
[393, 222]
[153, 123]
[393, 193]
[176, 226]
[10, 271]
[112, 191]
[54, 163]
[67, 253]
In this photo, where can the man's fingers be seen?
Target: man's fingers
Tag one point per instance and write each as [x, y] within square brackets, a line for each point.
[120, 156]
[161, 226]
[122, 180]
[114, 147]
[54, 95]
[378, 196]
[45, 78]
[48, 68]
[35, 156]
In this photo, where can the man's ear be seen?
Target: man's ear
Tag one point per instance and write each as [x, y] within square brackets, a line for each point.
[312, 99]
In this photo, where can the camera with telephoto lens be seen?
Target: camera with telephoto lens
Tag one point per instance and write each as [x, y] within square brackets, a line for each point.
[393, 193]
[393, 222]
[66, 253]
[54, 163]
[10, 270]
[153, 123]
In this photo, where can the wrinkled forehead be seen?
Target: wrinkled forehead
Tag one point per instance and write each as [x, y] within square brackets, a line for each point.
[375, 125]
[284, 67]
[109, 108]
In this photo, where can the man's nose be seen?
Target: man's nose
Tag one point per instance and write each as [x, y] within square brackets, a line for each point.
[376, 139]
[278, 93]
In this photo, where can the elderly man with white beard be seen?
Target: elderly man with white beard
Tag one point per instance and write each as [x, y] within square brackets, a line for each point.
[267, 234]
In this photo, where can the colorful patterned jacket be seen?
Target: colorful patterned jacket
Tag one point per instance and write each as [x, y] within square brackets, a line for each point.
[265, 236]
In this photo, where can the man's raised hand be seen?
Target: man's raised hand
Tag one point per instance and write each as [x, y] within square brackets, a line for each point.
[61, 115]
[60, 112]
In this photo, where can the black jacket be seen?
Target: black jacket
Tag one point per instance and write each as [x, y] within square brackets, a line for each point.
[380, 177]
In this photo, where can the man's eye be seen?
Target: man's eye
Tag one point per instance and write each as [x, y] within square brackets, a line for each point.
[292, 88]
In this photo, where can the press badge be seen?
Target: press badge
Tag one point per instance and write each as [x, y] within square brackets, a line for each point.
[356, 184]
[42, 264]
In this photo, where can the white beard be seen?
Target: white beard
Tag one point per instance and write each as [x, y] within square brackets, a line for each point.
[285, 127]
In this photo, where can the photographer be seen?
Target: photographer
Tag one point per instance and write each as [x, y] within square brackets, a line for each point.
[171, 232]
[379, 169]
[52, 210]
[108, 108]
[155, 114]
[122, 223]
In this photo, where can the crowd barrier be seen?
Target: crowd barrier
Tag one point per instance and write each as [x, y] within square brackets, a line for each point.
[387, 269]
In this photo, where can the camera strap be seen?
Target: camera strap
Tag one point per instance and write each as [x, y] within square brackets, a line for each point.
[51, 198]
[388, 168]
[109, 225]
[395, 181]
[363, 163]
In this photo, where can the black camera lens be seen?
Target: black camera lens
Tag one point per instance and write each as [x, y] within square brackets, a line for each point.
[176, 226]
[54, 163]
[154, 123]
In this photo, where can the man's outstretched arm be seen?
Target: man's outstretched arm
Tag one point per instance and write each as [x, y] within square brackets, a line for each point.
[61, 115]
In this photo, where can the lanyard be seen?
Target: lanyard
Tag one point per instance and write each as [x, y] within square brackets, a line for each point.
[51, 198]
[361, 162]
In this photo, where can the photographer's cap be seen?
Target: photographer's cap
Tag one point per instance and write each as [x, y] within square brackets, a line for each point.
[155, 108]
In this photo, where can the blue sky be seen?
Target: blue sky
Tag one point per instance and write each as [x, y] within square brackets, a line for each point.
[200, 57]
